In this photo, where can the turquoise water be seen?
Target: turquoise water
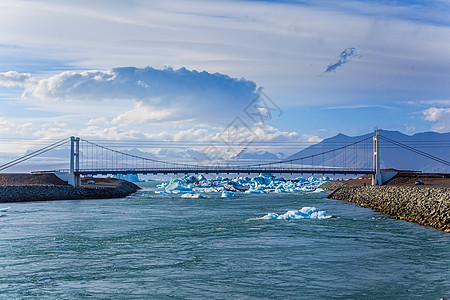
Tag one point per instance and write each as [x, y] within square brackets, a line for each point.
[156, 246]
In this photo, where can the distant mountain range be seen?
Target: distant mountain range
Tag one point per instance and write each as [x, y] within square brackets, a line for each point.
[392, 156]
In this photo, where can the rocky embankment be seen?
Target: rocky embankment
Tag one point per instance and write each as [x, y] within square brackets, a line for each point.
[423, 205]
[20, 193]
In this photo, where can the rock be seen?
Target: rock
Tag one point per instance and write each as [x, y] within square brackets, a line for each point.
[425, 206]
[21, 193]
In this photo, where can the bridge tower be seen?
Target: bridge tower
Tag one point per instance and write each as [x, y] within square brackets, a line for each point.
[74, 179]
[376, 178]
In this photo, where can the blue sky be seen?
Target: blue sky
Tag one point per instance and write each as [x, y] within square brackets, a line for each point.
[184, 70]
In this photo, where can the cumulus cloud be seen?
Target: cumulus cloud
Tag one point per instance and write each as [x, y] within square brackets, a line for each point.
[11, 127]
[344, 58]
[268, 133]
[58, 131]
[13, 78]
[161, 94]
[99, 121]
[141, 114]
[435, 114]
[142, 84]
[439, 115]
[192, 134]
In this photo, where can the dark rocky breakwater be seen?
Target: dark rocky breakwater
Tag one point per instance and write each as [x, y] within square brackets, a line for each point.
[422, 205]
[21, 193]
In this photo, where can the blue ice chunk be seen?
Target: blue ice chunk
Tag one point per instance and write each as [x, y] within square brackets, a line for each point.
[304, 213]
[312, 179]
[227, 194]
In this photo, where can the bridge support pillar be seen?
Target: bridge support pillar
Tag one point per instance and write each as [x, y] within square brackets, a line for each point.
[74, 179]
[377, 179]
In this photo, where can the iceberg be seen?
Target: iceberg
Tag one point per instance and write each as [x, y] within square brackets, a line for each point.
[304, 213]
[261, 184]
[192, 196]
[201, 178]
[128, 177]
[177, 186]
[255, 191]
[189, 179]
[227, 194]
[312, 179]
[262, 180]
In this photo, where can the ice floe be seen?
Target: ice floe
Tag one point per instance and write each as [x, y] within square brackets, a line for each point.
[192, 196]
[304, 213]
[261, 184]
[227, 194]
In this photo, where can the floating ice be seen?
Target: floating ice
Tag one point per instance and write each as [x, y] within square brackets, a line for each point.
[129, 177]
[312, 179]
[192, 196]
[227, 194]
[177, 186]
[304, 213]
[256, 190]
[307, 188]
[189, 179]
[201, 178]
[162, 185]
[325, 178]
[261, 184]
[300, 179]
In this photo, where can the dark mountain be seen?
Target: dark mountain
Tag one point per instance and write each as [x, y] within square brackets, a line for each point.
[392, 156]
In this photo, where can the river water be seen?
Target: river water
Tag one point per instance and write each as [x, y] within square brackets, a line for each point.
[159, 246]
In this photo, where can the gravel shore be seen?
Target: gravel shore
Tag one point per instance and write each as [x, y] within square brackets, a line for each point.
[109, 188]
[422, 205]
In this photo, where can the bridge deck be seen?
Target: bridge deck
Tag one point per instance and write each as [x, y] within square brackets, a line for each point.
[223, 171]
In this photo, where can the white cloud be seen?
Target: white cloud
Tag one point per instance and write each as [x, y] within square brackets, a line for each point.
[283, 46]
[13, 78]
[160, 95]
[141, 114]
[271, 134]
[71, 85]
[192, 134]
[99, 121]
[58, 131]
[439, 115]
[14, 128]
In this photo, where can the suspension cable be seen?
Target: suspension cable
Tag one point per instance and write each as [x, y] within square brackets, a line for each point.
[435, 158]
[33, 154]
[310, 156]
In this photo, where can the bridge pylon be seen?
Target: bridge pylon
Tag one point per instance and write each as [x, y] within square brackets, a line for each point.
[74, 179]
[377, 179]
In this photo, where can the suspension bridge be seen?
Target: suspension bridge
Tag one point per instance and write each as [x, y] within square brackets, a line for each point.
[89, 158]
